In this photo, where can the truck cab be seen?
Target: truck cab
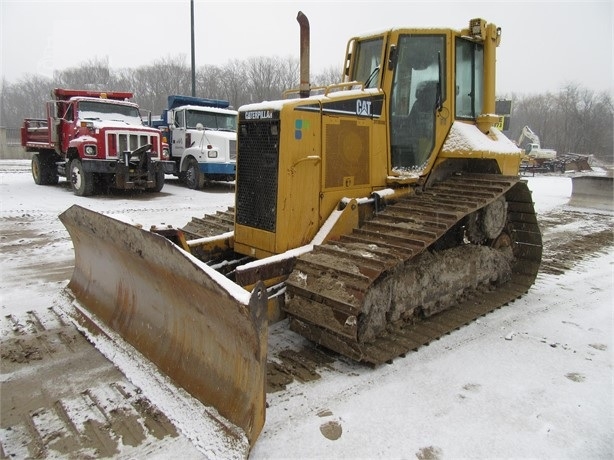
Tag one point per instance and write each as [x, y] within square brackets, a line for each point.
[202, 137]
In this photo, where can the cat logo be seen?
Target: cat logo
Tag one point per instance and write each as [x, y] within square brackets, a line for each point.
[363, 107]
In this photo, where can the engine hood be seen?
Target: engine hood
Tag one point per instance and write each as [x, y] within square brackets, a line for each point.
[118, 124]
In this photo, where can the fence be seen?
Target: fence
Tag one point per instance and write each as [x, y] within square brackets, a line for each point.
[10, 145]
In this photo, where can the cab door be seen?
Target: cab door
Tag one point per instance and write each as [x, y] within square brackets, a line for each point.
[61, 118]
[54, 119]
[417, 95]
[179, 134]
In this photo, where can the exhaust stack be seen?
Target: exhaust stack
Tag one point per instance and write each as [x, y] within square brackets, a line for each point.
[305, 86]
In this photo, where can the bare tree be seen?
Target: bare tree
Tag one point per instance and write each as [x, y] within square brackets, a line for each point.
[537, 112]
[210, 83]
[153, 84]
[234, 80]
[586, 121]
[328, 76]
[289, 73]
[94, 74]
[576, 120]
[24, 99]
[603, 128]
[263, 81]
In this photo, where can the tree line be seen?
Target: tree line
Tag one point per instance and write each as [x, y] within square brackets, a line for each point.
[572, 120]
[239, 82]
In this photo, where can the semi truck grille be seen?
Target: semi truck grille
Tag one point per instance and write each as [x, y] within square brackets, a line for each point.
[118, 142]
[232, 147]
[257, 168]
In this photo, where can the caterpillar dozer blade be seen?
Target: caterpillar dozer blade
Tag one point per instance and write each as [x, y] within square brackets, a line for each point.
[203, 331]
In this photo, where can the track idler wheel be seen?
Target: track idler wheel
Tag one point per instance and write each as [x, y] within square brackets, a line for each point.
[487, 223]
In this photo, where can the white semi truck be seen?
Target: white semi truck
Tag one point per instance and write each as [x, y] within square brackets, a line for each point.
[201, 134]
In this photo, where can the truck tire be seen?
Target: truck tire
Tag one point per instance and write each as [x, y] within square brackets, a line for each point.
[159, 179]
[194, 179]
[82, 182]
[44, 171]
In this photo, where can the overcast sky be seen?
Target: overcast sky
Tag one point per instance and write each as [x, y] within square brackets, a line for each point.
[545, 44]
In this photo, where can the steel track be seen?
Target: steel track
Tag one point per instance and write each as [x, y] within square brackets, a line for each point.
[394, 237]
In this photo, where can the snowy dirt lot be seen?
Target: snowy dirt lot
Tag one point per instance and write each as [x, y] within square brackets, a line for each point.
[532, 379]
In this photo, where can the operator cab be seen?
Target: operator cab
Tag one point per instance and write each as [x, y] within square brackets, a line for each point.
[416, 69]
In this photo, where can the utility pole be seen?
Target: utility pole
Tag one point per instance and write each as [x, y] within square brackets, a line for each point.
[193, 59]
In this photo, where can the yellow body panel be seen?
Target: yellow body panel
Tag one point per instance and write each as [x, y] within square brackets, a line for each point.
[340, 144]
[263, 238]
[299, 179]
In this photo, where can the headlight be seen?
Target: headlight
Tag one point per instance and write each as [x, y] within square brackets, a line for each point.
[90, 150]
[212, 153]
[165, 154]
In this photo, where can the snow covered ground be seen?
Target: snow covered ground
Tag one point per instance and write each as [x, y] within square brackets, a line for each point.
[533, 379]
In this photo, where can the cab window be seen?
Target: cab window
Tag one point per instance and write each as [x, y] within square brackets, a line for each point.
[366, 66]
[469, 81]
[69, 114]
[180, 119]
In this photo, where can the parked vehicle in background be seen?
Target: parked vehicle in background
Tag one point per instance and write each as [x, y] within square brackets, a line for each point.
[535, 155]
[202, 137]
[97, 140]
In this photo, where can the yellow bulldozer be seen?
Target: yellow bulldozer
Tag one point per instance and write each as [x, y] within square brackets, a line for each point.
[375, 216]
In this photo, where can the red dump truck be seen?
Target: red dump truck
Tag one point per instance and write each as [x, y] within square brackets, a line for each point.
[97, 140]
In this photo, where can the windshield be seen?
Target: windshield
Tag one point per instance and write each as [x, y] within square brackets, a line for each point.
[211, 120]
[95, 110]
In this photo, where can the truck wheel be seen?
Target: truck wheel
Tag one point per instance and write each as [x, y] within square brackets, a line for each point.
[194, 179]
[159, 179]
[44, 171]
[82, 182]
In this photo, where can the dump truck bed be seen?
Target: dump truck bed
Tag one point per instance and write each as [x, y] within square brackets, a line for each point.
[35, 134]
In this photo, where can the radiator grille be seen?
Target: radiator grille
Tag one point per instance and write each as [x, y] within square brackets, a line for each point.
[232, 147]
[118, 142]
[257, 168]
